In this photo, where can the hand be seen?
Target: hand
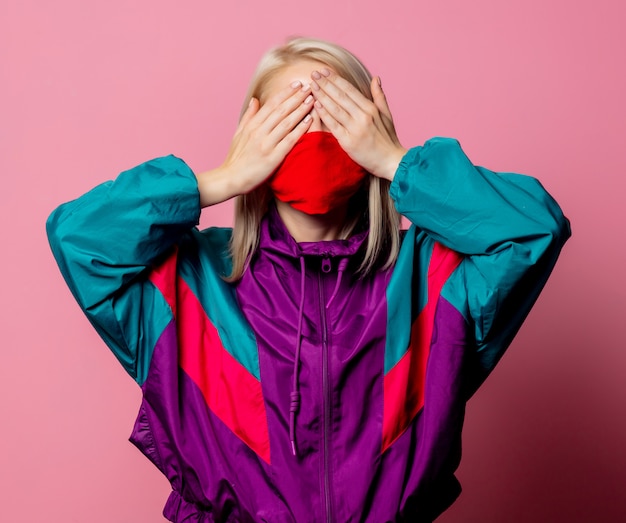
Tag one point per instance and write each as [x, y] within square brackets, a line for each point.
[263, 138]
[363, 128]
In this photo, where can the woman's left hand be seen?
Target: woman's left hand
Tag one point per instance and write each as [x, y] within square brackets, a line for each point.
[363, 128]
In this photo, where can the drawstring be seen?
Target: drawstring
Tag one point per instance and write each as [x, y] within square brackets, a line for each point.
[294, 397]
[343, 263]
[294, 405]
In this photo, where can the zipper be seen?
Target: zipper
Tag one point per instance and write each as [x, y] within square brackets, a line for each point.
[326, 401]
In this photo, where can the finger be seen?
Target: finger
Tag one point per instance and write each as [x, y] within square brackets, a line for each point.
[338, 116]
[335, 98]
[289, 140]
[290, 120]
[281, 105]
[380, 100]
[332, 83]
[362, 110]
[331, 113]
[334, 126]
[385, 111]
[251, 110]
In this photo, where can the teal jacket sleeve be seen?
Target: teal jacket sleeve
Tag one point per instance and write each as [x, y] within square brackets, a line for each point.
[509, 228]
[105, 241]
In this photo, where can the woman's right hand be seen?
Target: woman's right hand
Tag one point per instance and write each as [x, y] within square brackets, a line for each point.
[263, 138]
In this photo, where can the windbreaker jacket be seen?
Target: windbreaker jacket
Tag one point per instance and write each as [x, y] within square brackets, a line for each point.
[304, 393]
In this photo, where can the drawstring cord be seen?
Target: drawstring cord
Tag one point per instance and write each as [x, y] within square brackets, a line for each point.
[294, 405]
[343, 263]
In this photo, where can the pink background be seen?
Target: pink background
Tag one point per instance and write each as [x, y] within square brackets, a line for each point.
[89, 88]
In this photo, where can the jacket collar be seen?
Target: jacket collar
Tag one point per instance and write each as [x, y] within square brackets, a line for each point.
[274, 237]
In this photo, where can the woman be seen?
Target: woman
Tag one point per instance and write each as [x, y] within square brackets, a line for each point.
[312, 364]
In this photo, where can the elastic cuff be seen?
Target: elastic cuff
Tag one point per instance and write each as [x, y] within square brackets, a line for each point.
[399, 183]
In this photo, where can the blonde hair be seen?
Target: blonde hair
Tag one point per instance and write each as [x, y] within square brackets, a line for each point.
[383, 241]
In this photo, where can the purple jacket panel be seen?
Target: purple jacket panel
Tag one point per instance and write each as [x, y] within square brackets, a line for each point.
[339, 473]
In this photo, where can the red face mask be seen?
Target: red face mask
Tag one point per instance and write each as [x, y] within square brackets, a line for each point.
[317, 175]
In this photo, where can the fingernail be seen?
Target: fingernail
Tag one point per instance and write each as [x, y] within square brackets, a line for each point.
[307, 118]
[296, 84]
[315, 86]
[380, 82]
[316, 75]
[325, 72]
[250, 102]
[318, 104]
[308, 99]
[306, 87]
